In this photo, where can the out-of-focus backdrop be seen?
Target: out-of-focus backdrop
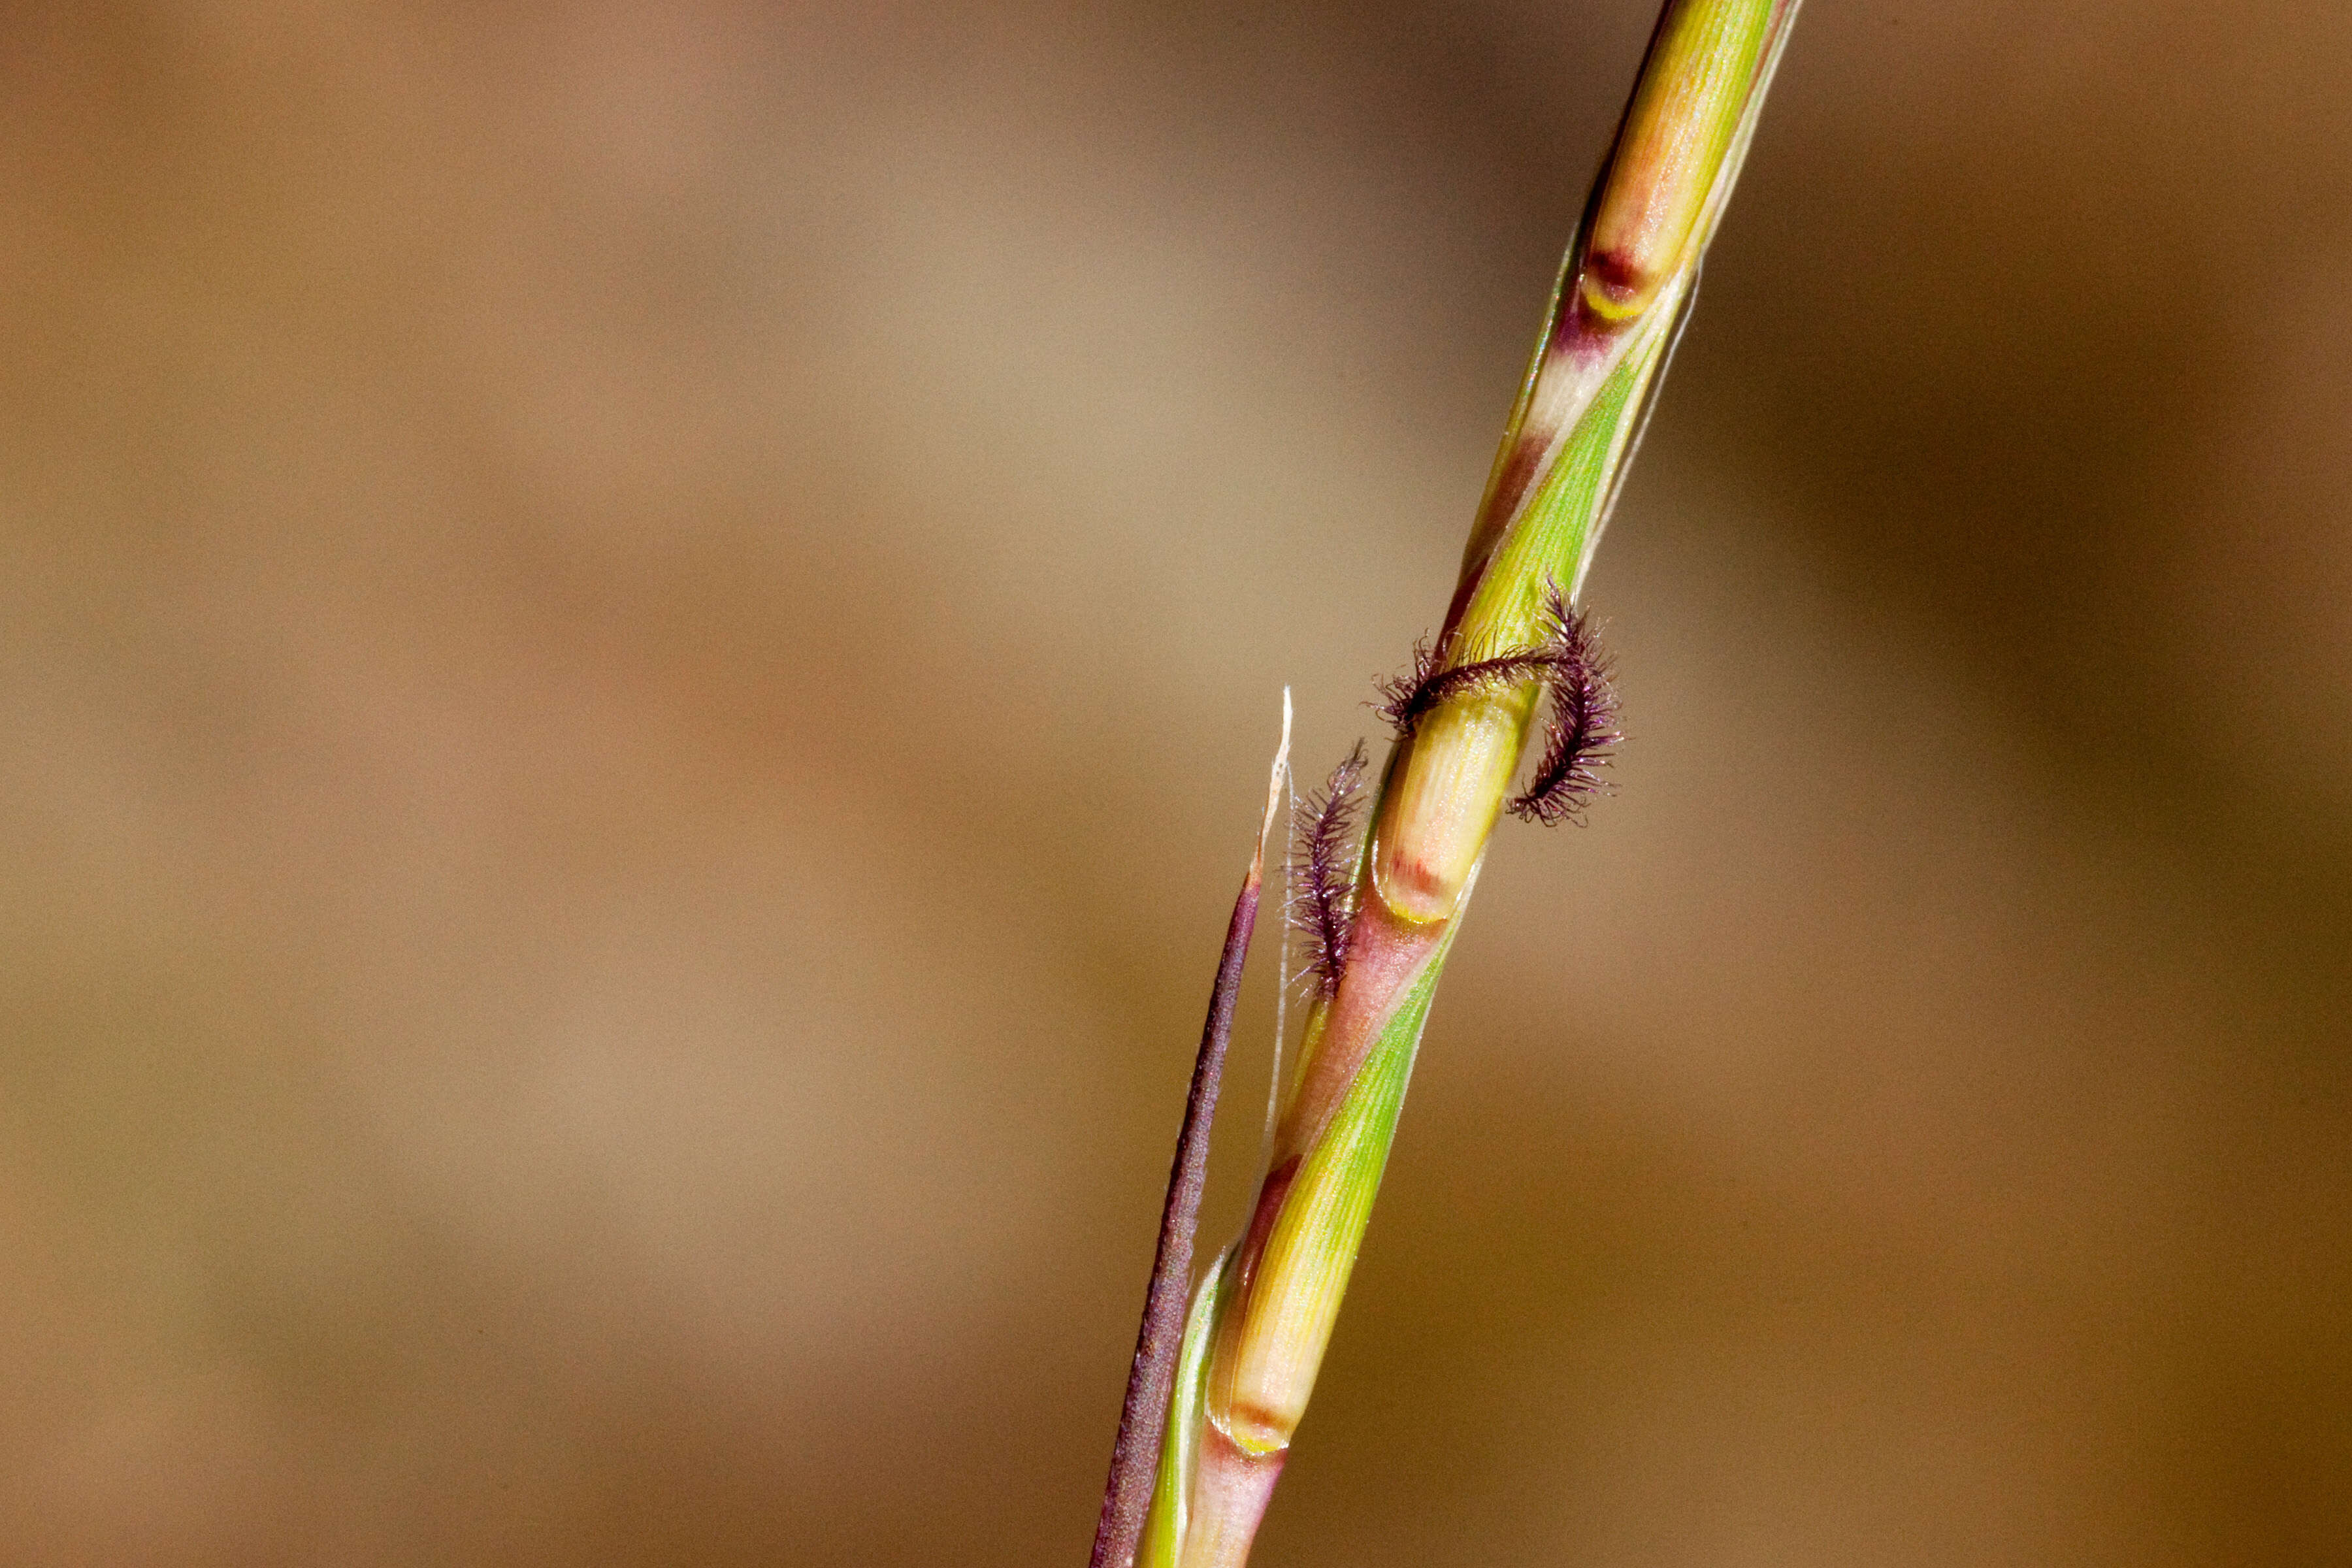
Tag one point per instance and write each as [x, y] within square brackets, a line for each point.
[637, 646]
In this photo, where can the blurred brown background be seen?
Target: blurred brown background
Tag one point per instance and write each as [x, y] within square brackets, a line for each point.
[638, 643]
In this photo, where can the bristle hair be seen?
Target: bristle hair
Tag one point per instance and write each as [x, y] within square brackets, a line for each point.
[1409, 698]
[1579, 731]
[1323, 862]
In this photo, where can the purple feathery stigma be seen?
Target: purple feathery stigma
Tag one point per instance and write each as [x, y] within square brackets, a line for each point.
[1581, 731]
[1323, 860]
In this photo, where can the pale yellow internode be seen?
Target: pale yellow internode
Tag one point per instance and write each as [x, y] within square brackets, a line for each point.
[1442, 808]
[1683, 119]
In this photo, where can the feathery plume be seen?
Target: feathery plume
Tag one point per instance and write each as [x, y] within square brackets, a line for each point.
[1581, 731]
[1324, 862]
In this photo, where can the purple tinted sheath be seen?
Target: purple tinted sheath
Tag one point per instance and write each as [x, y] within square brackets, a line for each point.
[1135, 1456]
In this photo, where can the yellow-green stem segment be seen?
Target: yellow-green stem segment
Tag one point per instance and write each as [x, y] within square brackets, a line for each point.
[1259, 1326]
